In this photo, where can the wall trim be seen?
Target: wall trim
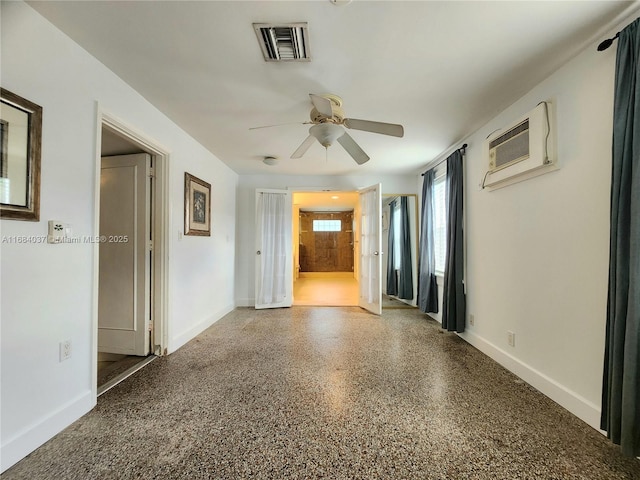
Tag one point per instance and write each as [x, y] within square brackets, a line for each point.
[184, 337]
[570, 400]
[32, 437]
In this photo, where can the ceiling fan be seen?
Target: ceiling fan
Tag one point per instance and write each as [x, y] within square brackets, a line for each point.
[328, 119]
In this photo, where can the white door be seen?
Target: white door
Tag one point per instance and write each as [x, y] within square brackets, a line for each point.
[274, 254]
[370, 235]
[125, 267]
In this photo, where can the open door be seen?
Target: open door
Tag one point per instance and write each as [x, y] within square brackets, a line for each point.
[370, 236]
[125, 263]
[274, 254]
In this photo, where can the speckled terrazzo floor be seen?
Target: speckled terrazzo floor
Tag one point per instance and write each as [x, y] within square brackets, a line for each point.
[331, 393]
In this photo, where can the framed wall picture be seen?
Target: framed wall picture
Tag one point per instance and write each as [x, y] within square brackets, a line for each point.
[197, 206]
[20, 142]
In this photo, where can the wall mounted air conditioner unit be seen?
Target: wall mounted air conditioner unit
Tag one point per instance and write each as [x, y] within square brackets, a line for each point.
[521, 150]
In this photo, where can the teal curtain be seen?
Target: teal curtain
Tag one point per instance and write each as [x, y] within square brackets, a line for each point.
[621, 383]
[454, 303]
[405, 282]
[427, 286]
[392, 284]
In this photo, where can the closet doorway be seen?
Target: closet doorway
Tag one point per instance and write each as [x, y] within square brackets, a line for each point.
[131, 205]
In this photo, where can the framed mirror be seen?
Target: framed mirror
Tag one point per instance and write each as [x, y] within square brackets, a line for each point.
[20, 143]
[400, 244]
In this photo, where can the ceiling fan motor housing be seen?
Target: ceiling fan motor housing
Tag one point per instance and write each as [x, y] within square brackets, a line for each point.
[338, 115]
[336, 110]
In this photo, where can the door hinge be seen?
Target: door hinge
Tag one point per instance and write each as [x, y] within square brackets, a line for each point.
[150, 245]
[152, 173]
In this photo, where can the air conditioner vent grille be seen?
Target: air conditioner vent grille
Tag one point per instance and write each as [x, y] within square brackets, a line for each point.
[522, 127]
[283, 43]
[513, 150]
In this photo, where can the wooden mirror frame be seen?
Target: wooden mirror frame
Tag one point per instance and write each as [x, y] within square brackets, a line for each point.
[30, 211]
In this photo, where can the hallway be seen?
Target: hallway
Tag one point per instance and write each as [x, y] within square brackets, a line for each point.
[332, 393]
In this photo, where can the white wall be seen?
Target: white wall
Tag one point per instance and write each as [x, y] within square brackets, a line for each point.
[47, 289]
[537, 260]
[245, 224]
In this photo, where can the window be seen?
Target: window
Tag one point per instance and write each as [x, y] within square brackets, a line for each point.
[440, 220]
[327, 225]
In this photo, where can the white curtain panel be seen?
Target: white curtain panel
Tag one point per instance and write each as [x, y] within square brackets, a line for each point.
[272, 230]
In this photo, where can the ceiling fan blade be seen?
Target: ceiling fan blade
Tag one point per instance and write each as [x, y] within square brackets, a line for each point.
[323, 105]
[302, 149]
[280, 125]
[353, 149]
[375, 127]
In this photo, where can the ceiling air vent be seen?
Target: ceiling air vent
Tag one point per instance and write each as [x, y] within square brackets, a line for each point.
[283, 43]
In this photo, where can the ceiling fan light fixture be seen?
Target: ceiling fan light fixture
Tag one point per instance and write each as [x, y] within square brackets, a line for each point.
[271, 161]
[326, 133]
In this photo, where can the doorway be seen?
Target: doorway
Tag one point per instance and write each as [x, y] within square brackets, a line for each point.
[130, 278]
[275, 271]
[325, 260]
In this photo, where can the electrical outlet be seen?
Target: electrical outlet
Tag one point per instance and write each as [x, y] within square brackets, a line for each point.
[472, 320]
[65, 350]
[511, 338]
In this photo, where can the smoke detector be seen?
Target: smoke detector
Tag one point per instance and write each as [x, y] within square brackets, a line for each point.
[271, 161]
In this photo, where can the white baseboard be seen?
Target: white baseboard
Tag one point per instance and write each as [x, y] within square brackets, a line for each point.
[25, 442]
[181, 339]
[574, 403]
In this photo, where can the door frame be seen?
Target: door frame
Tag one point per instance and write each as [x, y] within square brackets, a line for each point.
[356, 220]
[161, 221]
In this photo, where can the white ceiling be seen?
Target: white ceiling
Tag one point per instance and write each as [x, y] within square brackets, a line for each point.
[441, 69]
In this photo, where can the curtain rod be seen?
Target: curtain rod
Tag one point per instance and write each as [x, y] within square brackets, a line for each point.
[607, 43]
[463, 148]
